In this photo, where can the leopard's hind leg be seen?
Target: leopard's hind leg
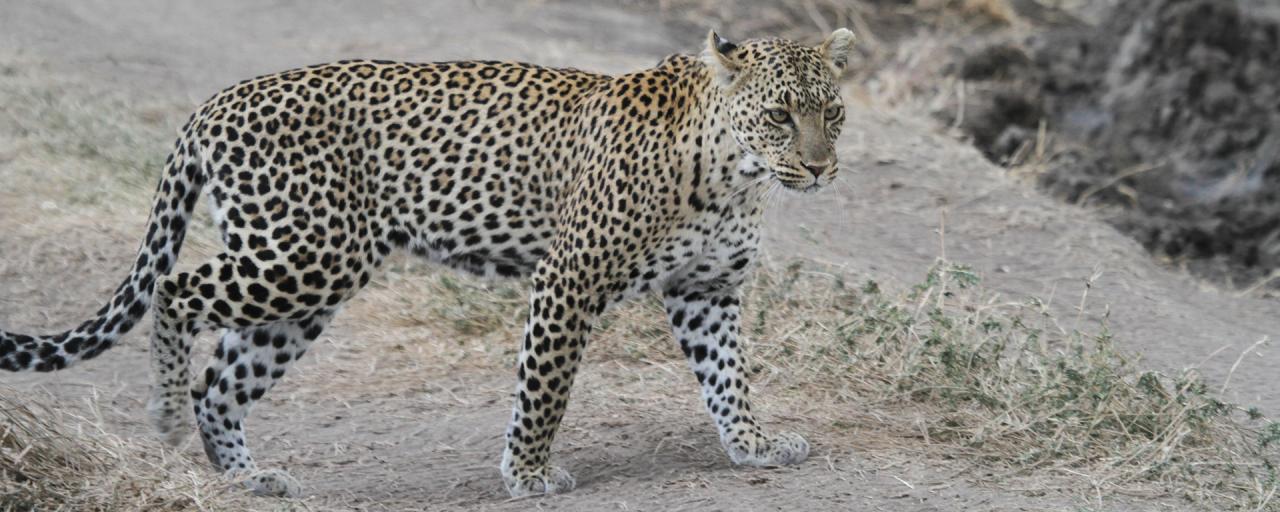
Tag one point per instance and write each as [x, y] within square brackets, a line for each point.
[269, 322]
[247, 364]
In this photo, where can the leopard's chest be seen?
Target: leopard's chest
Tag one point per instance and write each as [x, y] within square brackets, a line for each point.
[715, 248]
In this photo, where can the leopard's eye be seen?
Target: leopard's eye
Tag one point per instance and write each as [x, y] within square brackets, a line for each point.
[778, 116]
[832, 113]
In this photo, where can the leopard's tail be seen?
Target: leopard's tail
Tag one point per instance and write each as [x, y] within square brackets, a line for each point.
[171, 211]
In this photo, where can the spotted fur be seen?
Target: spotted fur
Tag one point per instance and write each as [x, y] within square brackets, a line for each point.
[602, 188]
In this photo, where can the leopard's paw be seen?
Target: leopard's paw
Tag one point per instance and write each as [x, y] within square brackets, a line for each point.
[267, 482]
[172, 417]
[550, 480]
[780, 449]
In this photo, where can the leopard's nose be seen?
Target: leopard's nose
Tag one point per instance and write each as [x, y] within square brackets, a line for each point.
[817, 168]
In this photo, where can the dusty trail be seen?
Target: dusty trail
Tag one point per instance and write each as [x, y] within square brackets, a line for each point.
[359, 434]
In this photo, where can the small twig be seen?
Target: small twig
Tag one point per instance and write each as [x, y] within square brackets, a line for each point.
[1275, 274]
[1262, 505]
[1211, 356]
[1127, 173]
[942, 234]
[1041, 140]
[960, 98]
[1084, 297]
[1227, 381]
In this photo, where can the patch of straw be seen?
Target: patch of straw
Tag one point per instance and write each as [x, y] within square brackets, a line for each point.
[50, 460]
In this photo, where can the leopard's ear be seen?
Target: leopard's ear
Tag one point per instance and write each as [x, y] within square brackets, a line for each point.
[836, 49]
[718, 57]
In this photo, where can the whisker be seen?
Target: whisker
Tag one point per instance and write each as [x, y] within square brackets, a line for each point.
[767, 193]
[847, 187]
[745, 186]
[772, 197]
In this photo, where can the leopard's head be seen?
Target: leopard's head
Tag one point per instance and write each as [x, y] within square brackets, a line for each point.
[784, 105]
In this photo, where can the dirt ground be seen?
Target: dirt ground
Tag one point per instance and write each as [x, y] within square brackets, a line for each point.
[397, 418]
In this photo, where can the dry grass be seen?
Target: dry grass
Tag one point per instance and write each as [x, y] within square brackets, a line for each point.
[804, 20]
[943, 368]
[89, 145]
[51, 460]
[996, 10]
[77, 155]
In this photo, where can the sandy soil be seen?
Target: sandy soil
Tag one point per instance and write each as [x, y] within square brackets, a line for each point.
[383, 419]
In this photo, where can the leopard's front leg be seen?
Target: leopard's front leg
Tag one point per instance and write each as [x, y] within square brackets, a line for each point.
[554, 337]
[706, 326]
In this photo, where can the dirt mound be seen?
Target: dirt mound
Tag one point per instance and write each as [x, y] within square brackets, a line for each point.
[1168, 109]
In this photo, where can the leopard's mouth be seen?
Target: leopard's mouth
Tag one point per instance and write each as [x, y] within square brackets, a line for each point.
[797, 181]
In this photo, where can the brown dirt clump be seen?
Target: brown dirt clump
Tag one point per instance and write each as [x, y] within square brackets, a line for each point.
[1190, 90]
[1165, 112]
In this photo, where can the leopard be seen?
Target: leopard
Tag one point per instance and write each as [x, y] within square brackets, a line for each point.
[596, 189]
